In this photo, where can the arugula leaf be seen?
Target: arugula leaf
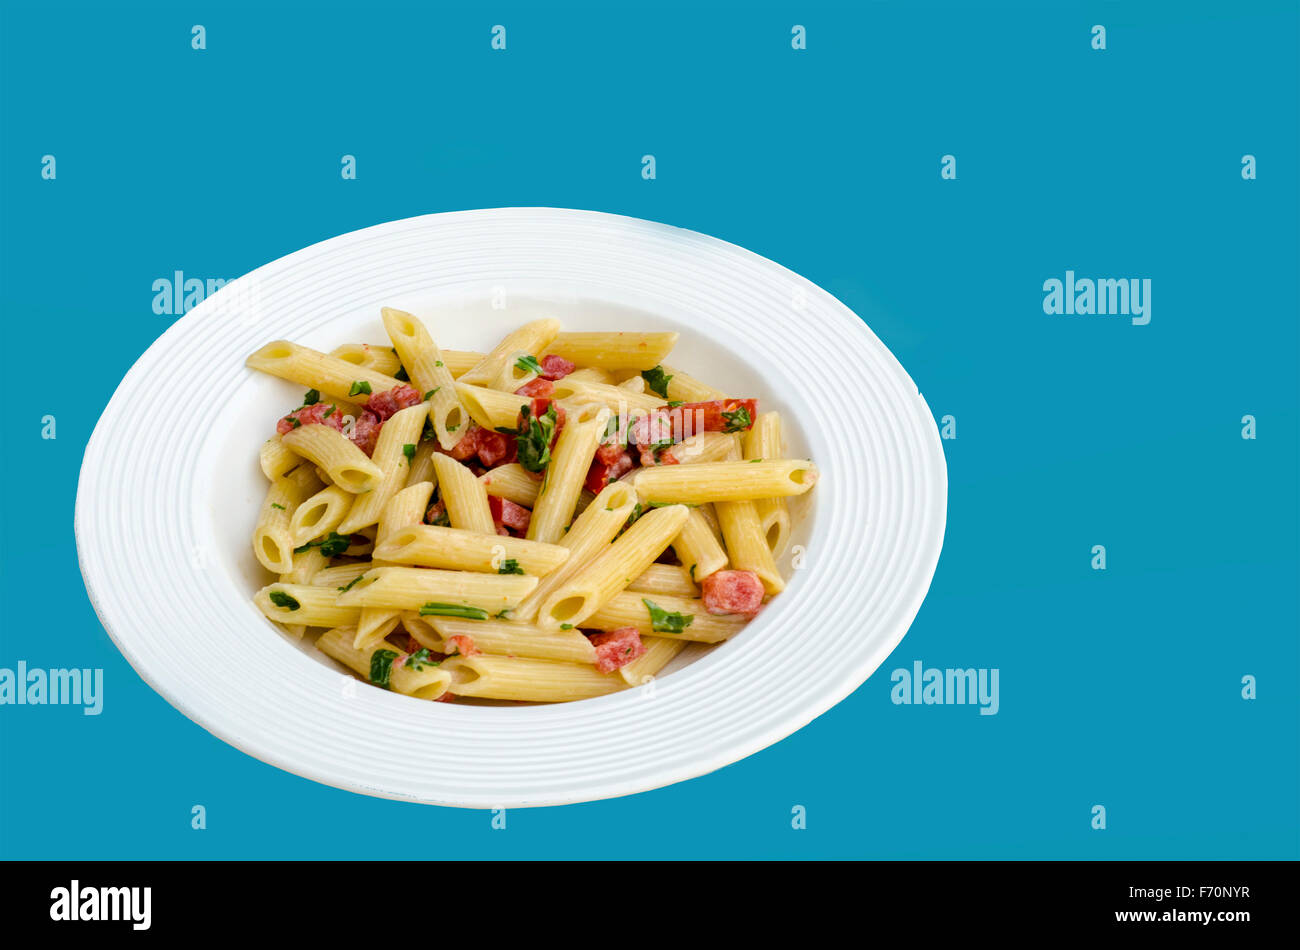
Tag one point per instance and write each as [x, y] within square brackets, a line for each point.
[358, 387]
[332, 545]
[510, 566]
[533, 438]
[738, 420]
[433, 609]
[409, 451]
[656, 380]
[312, 397]
[528, 364]
[661, 621]
[381, 667]
[281, 599]
[421, 659]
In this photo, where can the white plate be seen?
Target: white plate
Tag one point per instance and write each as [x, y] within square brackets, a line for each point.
[170, 488]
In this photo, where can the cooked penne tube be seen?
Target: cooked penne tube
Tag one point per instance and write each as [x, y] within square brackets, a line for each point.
[704, 447]
[506, 638]
[330, 375]
[763, 441]
[491, 408]
[570, 460]
[460, 362]
[275, 459]
[464, 495]
[659, 652]
[590, 535]
[527, 680]
[393, 453]
[685, 388]
[273, 535]
[420, 628]
[417, 588]
[320, 514]
[306, 565]
[346, 465]
[747, 546]
[725, 481]
[578, 392]
[429, 546]
[633, 384]
[532, 338]
[614, 350]
[422, 464]
[430, 375]
[513, 483]
[405, 508]
[630, 609]
[381, 359]
[383, 664]
[340, 575]
[306, 604]
[665, 579]
[699, 550]
[613, 569]
[591, 374]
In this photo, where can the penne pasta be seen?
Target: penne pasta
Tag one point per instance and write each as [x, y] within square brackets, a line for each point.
[329, 375]
[764, 441]
[614, 398]
[346, 465]
[527, 680]
[686, 388]
[320, 514]
[462, 593]
[428, 371]
[383, 664]
[273, 536]
[306, 604]
[725, 481]
[614, 350]
[393, 454]
[513, 483]
[507, 638]
[633, 609]
[530, 339]
[665, 579]
[405, 508]
[570, 460]
[464, 495]
[613, 569]
[340, 575]
[491, 408]
[659, 652]
[455, 549]
[591, 374]
[698, 548]
[381, 359]
[275, 459]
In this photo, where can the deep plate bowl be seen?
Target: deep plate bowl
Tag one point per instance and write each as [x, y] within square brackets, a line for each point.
[166, 506]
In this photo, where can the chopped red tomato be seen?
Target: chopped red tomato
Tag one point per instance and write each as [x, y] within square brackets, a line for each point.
[602, 472]
[556, 367]
[507, 513]
[732, 592]
[495, 448]
[385, 404]
[310, 415]
[467, 447]
[616, 648]
[720, 415]
[536, 387]
[463, 645]
[365, 431]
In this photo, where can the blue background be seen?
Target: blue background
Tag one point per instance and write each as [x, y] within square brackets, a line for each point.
[1120, 688]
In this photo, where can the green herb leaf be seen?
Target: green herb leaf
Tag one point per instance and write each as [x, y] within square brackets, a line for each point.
[381, 667]
[421, 659]
[674, 403]
[429, 433]
[296, 422]
[402, 374]
[429, 394]
[281, 599]
[510, 566]
[277, 505]
[437, 363]
[656, 380]
[533, 438]
[409, 451]
[528, 364]
[661, 621]
[332, 545]
[432, 609]
[738, 420]
[311, 398]
[566, 626]
[352, 583]
[358, 387]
